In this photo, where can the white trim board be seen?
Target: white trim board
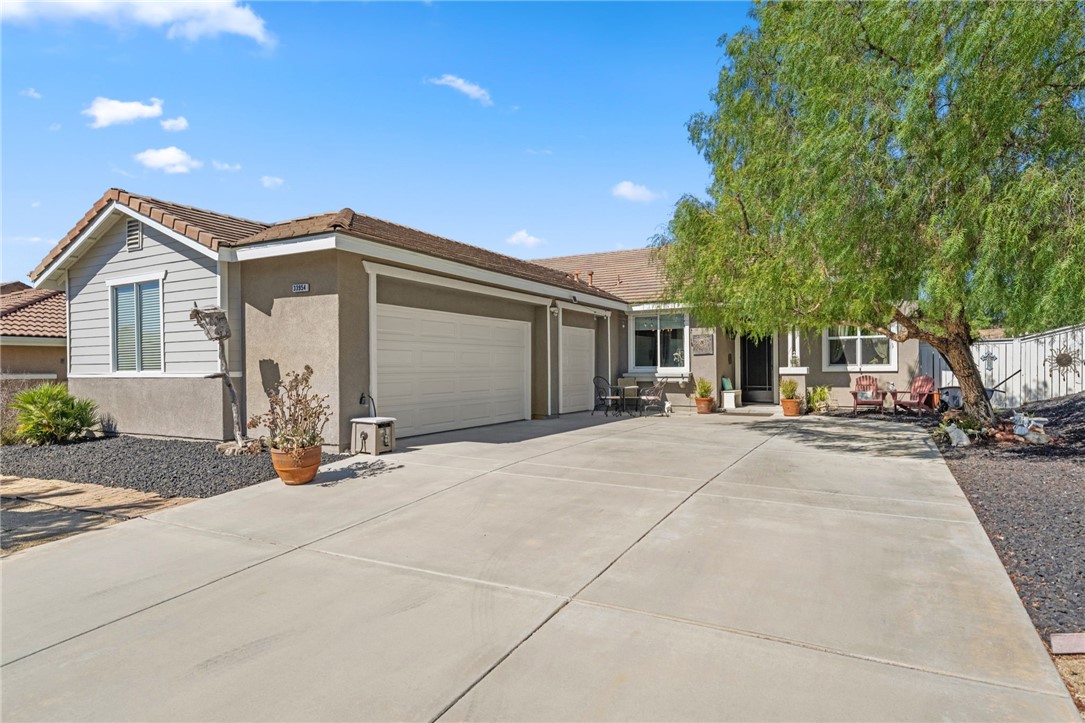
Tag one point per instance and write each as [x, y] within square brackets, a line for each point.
[397, 272]
[156, 375]
[33, 341]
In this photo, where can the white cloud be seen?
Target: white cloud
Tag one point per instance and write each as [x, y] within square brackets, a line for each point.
[108, 112]
[220, 166]
[54, 127]
[35, 204]
[185, 19]
[170, 160]
[634, 192]
[471, 90]
[31, 93]
[179, 123]
[523, 238]
[271, 181]
[27, 239]
[540, 151]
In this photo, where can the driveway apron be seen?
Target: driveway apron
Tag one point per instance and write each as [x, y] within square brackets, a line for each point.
[580, 568]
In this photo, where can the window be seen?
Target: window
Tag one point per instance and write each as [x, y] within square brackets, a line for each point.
[852, 349]
[659, 342]
[137, 327]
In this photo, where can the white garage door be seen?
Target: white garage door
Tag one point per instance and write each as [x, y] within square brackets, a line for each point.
[577, 368]
[438, 371]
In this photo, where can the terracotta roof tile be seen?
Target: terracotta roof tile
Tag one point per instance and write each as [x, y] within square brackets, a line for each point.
[33, 312]
[632, 274]
[215, 229]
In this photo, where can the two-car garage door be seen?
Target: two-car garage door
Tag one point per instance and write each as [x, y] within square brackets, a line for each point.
[438, 371]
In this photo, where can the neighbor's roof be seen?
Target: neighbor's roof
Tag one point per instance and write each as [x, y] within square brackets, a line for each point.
[216, 230]
[33, 312]
[10, 287]
[632, 275]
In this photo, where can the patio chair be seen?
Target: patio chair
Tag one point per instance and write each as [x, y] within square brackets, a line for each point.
[607, 397]
[652, 398]
[867, 394]
[919, 398]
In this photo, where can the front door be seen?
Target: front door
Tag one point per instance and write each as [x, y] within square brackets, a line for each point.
[757, 371]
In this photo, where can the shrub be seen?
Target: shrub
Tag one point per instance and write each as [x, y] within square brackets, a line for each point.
[704, 388]
[296, 417]
[789, 389]
[817, 398]
[48, 414]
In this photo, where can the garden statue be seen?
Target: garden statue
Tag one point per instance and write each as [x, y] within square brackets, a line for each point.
[212, 320]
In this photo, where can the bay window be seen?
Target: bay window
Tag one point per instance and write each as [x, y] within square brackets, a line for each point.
[659, 342]
[849, 348]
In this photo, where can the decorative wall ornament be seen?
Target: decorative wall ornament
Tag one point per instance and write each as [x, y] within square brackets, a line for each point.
[1064, 360]
[702, 344]
[990, 359]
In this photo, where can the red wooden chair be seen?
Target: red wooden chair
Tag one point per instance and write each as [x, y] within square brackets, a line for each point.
[919, 398]
[860, 397]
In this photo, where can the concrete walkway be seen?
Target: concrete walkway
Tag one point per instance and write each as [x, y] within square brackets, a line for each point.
[690, 568]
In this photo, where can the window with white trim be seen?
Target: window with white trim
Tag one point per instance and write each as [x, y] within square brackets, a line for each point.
[659, 342]
[848, 348]
[137, 326]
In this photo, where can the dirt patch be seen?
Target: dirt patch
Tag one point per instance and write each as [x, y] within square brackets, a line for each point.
[1072, 670]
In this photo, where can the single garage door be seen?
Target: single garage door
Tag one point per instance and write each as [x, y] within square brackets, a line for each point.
[577, 368]
[438, 371]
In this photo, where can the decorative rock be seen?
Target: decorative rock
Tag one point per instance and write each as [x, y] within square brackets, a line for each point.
[1036, 438]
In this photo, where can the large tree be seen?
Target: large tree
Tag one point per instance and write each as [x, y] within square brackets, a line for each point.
[911, 168]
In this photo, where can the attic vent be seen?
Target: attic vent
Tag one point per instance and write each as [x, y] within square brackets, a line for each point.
[133, 235]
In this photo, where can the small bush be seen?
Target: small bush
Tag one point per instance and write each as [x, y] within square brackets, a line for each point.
[704, 388]
[817, 398]
[789, 389]
[48, 414]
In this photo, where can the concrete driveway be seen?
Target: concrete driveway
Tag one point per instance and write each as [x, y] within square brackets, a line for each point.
[584, 568]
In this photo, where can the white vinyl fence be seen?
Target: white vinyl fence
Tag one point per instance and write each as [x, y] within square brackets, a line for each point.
[1035, 355]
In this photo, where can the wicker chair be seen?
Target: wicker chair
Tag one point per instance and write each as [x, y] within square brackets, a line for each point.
[607, 397]
[652, 398]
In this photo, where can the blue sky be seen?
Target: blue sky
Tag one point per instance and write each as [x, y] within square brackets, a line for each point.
[534, 129]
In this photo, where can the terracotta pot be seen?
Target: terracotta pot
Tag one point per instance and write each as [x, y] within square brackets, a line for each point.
[791, 407]
[295, 473]
[704, 404]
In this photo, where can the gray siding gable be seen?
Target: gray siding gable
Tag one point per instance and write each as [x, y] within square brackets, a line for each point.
[190, 277]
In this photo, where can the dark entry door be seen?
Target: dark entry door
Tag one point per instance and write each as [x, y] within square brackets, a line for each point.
[757, 370]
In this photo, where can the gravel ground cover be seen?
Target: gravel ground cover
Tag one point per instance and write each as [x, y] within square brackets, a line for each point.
[167, 467]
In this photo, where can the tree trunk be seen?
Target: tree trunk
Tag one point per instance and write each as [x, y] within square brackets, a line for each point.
[239, 434]
[958, 352]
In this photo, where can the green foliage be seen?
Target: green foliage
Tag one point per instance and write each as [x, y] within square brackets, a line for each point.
[704, 388]
[789, 389]
[296, 417]
[867, 154]
[817, 398]
[48, 414]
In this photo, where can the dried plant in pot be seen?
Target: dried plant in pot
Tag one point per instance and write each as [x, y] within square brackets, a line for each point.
[295, 421]
[704, 398]
[789, 397]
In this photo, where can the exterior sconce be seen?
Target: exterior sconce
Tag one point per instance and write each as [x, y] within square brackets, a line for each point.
[554, 311]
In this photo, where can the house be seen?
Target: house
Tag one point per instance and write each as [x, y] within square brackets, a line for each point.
[33, 335]
[394, 321]
[662, 341]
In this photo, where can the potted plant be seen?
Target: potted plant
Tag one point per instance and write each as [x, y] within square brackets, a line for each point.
[789, 397]
[295, 421]
[704, 396]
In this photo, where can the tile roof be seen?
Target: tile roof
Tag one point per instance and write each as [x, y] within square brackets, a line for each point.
[33, 312]
[10, 287]
[200, 225]
[632, 275]
[216, 230]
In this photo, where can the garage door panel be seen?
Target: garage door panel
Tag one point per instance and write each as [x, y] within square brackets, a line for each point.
[577, 368]
[450, 371]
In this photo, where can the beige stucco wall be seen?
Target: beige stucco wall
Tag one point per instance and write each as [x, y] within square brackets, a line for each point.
[842, 382]
[286, 331]
[22, 359]
[191, 407]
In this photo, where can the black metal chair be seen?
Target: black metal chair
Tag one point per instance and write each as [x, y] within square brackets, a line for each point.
[652, 398]
[607, 397]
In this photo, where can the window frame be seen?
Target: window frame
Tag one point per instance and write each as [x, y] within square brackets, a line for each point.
[135, 281]
[659, 369]
[857, 338]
